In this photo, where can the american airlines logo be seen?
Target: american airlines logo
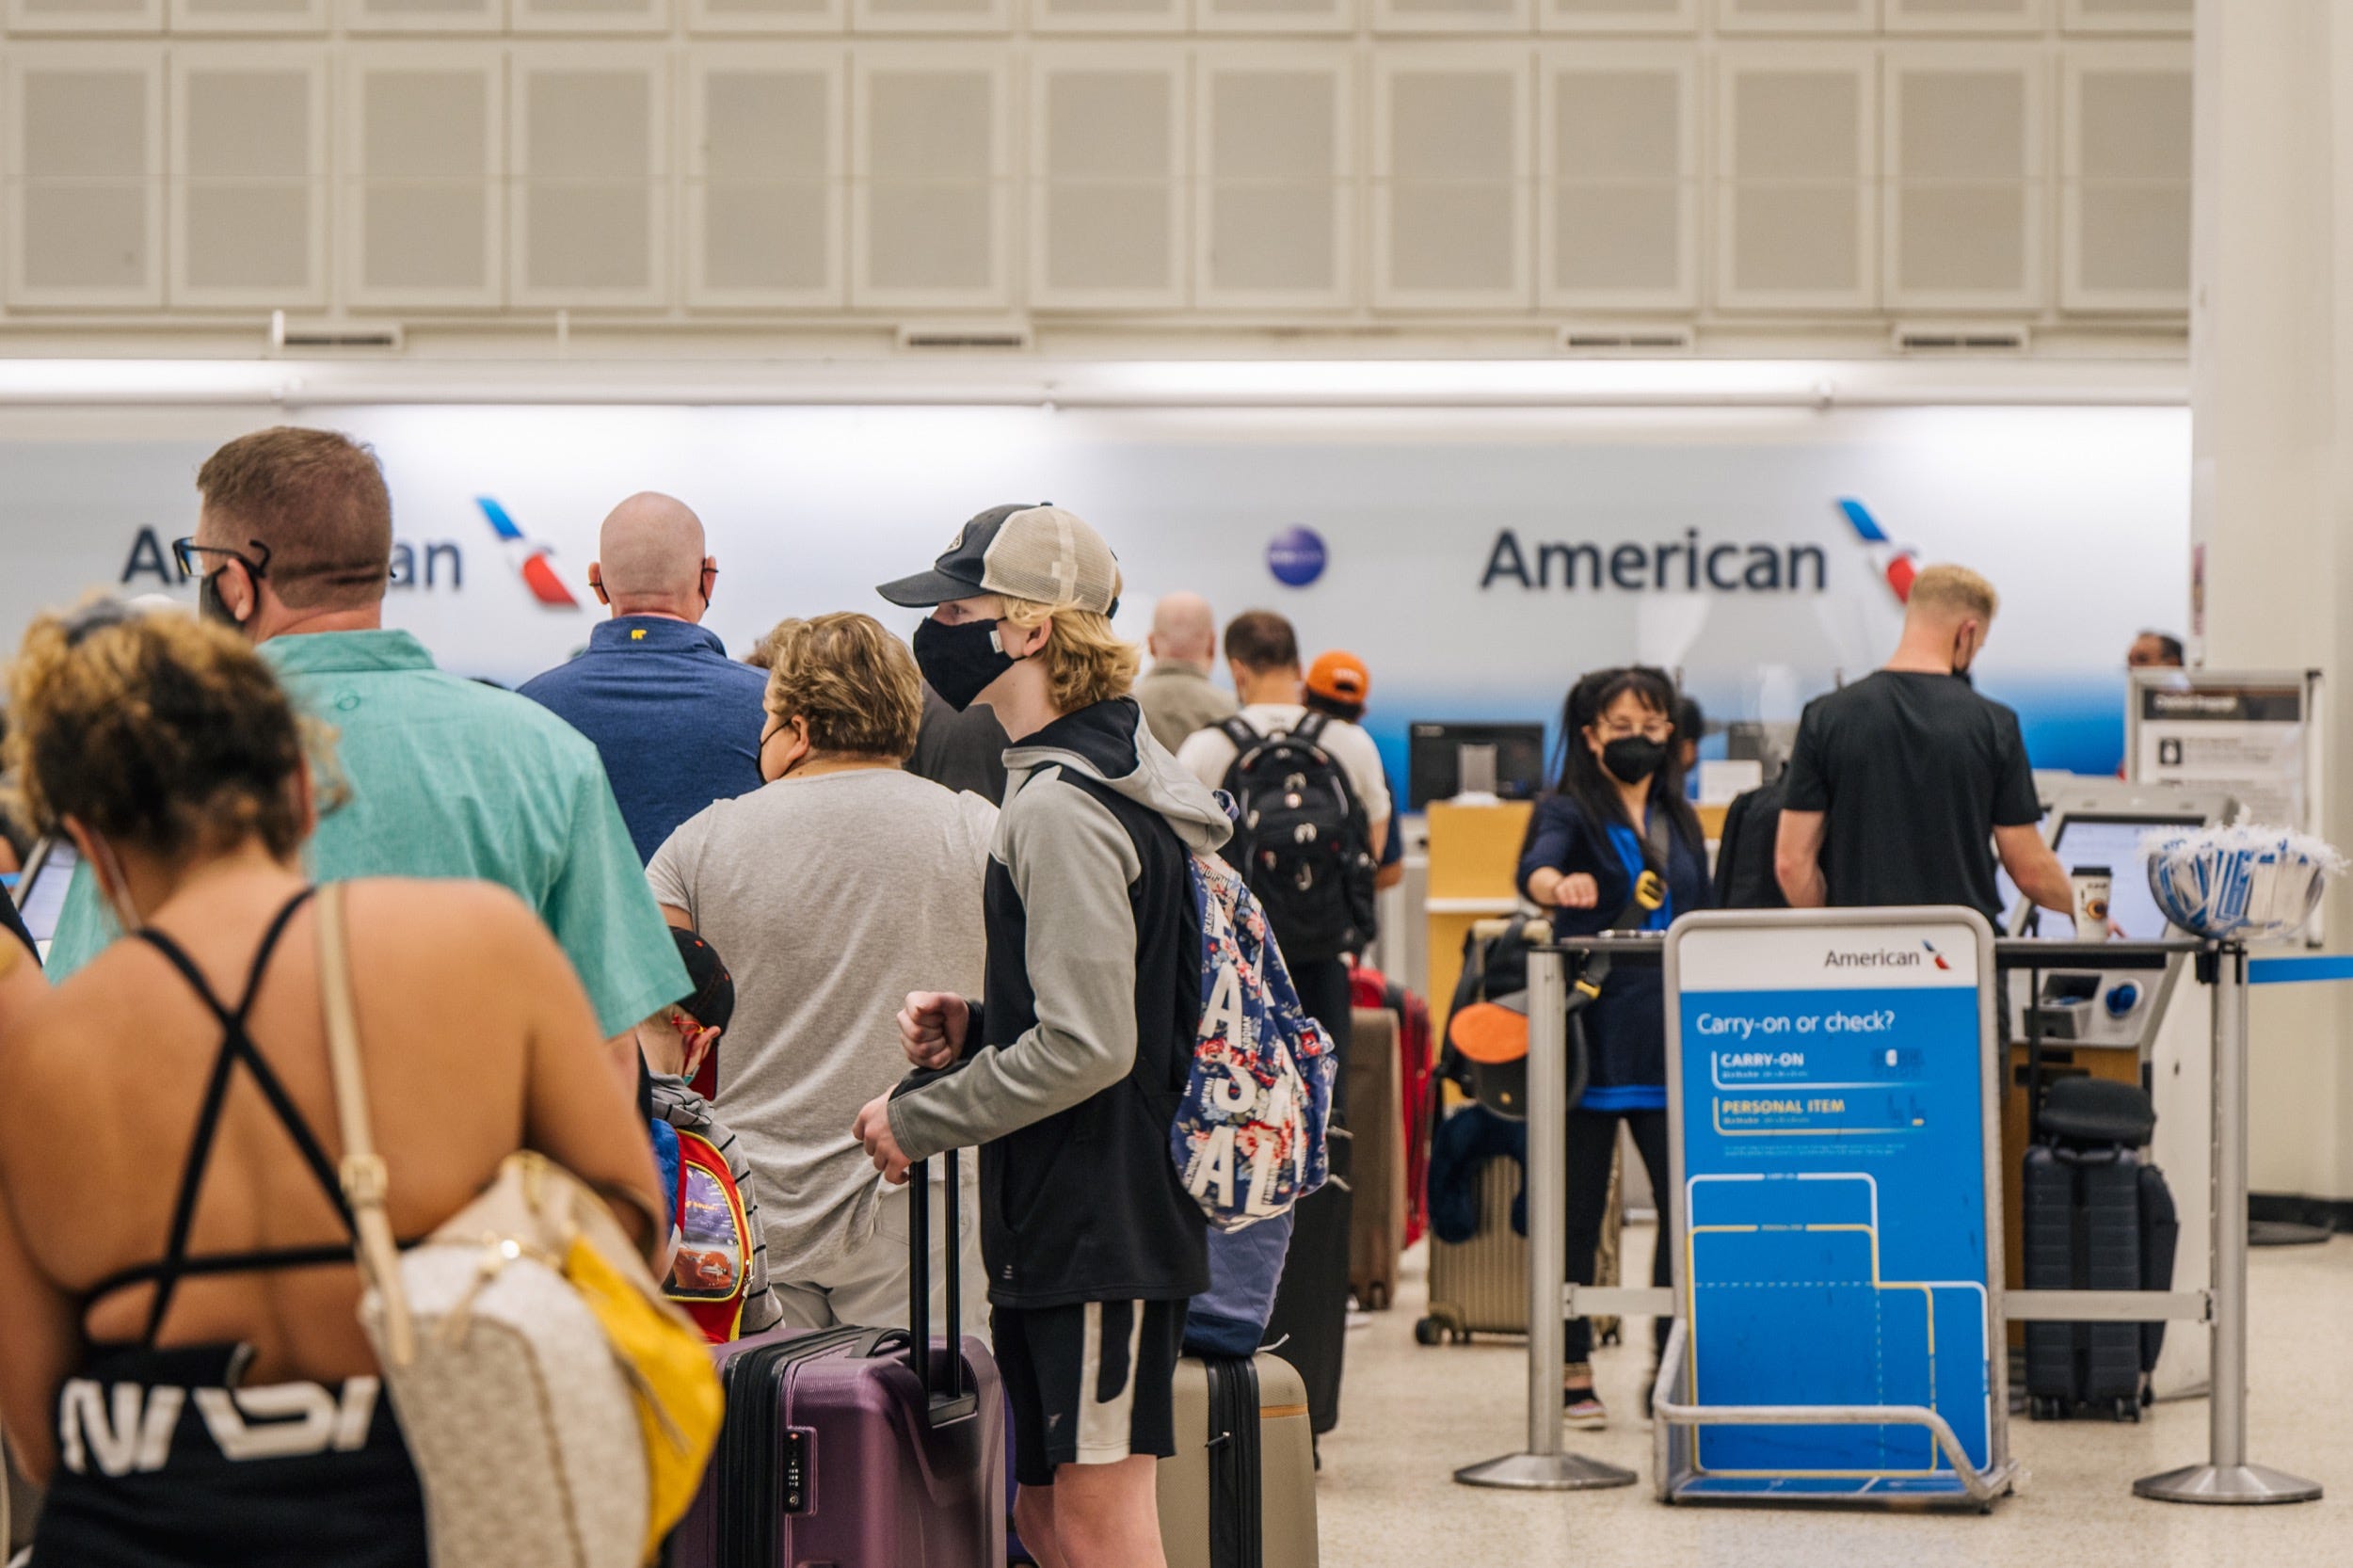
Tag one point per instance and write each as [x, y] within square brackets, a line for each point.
[532, 562]
[1895, 564]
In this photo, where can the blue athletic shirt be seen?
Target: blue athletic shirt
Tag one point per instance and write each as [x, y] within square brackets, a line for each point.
[676, 720]
[1625, 1026]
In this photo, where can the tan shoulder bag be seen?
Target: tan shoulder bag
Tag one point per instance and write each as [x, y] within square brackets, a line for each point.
[558, 1409]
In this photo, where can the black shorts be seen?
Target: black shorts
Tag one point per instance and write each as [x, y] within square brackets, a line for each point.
[1090, 1384]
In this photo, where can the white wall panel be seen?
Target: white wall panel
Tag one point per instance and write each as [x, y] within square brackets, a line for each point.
[1797, 16]
[767, 16]
[1452, 16]
[85, 163]
[1107, 161]
[931, 16]
[1110, 16]
[2124, 208]
[1276, 16]
[1618, 16]
[588, 217]
[422, 190]
[1274, 176]
[377, 18]
[591, 16]
[28, 17]
[1963, 161]
[931, 177]
[1795, 209]
[1967, 16]
[2128, 16]
[767, 165]
[248, 158]
[1452, 176]
[248, 16]
[1618, 167]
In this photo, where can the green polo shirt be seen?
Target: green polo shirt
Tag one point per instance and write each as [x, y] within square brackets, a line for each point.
[450, 777]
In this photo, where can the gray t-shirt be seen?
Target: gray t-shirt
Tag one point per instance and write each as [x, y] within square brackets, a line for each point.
[830, 898]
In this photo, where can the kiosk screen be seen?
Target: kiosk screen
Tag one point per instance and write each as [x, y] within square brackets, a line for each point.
[2113, 842]
[40, 897]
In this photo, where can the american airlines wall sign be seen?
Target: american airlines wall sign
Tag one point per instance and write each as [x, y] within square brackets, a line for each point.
[1477, 563]
[1695, 563]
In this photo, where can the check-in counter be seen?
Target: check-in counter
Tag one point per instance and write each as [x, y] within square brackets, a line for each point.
[1474, 857]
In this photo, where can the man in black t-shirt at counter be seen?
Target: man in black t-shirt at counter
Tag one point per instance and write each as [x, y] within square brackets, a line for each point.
[1909, 782]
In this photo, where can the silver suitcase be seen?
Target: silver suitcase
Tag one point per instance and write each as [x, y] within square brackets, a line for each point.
[1480, 1285]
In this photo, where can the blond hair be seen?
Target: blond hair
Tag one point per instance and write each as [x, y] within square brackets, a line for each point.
[855, 683]
[1086, 661]
[1951, 591]
[157, 730]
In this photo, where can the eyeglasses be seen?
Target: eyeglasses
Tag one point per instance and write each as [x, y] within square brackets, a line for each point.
[1655, 730]
[188, 554]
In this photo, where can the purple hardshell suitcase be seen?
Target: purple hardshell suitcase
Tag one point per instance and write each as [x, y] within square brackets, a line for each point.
[858, 1447]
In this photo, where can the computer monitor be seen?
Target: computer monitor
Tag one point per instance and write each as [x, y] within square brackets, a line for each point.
[41, 891]
[1433, 760]
[2114, 842]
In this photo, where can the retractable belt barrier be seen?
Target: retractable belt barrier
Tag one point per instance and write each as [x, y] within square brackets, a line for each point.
[1959, 1449]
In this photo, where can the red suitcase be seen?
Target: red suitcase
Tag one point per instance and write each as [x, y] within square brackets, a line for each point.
[1370, 988]
[878, 1447]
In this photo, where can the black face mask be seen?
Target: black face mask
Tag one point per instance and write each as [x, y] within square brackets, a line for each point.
[1632, 758]
[960, 661]
[210, 606]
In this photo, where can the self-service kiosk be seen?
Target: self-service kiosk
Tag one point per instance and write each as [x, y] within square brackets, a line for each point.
[41, 891]
[2144, 1026]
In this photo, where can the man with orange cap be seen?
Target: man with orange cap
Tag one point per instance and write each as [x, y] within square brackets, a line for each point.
[1338, 685]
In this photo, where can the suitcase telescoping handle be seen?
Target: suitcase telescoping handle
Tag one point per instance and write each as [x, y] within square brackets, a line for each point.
[953, 1402]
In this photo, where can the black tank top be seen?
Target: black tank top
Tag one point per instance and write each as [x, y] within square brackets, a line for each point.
[165, 1458]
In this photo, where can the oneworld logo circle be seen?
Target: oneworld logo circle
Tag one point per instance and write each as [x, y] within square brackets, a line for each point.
[1296, 557]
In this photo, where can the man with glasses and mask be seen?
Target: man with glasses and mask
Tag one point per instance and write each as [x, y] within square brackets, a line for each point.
[676, 720]
[445, 777]
[1912, 782]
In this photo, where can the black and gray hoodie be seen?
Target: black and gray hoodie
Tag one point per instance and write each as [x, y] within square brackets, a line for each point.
[1081, 1048]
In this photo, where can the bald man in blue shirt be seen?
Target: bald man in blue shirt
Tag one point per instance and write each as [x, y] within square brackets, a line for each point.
[676, 720]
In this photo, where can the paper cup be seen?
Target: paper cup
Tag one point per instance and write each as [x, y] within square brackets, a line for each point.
[2092, 887]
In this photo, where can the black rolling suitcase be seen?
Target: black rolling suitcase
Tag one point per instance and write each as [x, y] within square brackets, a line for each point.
[2097, 1218]
[1308, 1327]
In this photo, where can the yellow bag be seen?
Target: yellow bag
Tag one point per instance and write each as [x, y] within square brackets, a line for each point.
[680, 1402]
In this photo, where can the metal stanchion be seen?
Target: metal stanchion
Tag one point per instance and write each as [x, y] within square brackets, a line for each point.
[1542, 1466]
[2226, 1477]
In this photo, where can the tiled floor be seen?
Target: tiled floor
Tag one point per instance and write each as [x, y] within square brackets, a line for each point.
[1412, 1415]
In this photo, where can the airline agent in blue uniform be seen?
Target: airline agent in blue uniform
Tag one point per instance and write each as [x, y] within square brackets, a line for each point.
[1615, 809]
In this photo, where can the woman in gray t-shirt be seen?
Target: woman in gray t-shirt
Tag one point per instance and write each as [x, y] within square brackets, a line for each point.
[835, 890]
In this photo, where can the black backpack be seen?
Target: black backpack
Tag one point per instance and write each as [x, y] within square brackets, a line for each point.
[1302, 842]
[1745, 878]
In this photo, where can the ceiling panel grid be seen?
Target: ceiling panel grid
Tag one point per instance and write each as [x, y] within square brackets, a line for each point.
[1330, 164]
